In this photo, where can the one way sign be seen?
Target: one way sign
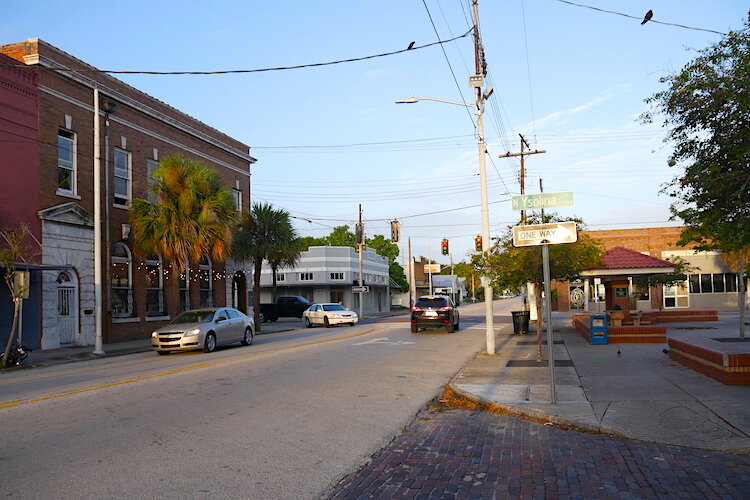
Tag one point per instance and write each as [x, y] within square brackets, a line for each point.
[545, 234]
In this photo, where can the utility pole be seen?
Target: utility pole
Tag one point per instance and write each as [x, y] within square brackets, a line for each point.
[477, 80]
[522, 179]
[360, 232]
[97, 229]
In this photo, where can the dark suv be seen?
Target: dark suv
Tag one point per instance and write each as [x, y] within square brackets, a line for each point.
[434, 310]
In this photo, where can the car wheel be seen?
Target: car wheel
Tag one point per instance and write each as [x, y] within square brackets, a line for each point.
[457, 324]
[273, 319]
[210, 344]
[263, 318]
[351, 324]
[449, 327]
[308, 324]
[326, 322]
[247, 339]
[414, 329]
[163, 353]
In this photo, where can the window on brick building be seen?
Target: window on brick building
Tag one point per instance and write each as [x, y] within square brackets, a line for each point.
[151, 166]
[237, 195]
[122, 279]
[204, 281]
[66, 161]
[154, 287]
[123, 170]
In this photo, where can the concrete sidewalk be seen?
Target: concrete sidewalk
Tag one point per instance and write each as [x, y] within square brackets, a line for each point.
[631, 390]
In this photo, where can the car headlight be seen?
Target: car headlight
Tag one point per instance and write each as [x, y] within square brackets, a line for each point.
[191, 333]
[154, 335]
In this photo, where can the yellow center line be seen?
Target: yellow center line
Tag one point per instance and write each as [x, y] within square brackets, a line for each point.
[20, 402]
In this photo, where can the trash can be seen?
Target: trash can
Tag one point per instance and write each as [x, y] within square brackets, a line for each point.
[598, 329]
[520, 322]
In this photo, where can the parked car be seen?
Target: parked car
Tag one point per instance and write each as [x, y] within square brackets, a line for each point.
[434, 311]
[329, 314]
[285, 307]
[204, 329]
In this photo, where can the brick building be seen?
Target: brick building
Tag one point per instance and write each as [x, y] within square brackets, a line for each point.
[52, 188]
[711, 285]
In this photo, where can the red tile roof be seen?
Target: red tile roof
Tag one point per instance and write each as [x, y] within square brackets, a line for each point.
[625, 258]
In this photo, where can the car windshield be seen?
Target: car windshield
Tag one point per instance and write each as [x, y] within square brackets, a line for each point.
[194, 317]
[432, 302]
[334, 307]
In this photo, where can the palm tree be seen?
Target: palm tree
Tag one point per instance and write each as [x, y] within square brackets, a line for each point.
[738, 261]
[265, 233]
[191, 216]
[286, 254]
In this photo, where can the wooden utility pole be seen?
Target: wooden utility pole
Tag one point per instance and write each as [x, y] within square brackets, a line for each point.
[522, 179]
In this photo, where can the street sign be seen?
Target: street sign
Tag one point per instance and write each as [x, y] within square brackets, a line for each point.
[432, 268]
[545, 234]
[360, 289]
[542, 200]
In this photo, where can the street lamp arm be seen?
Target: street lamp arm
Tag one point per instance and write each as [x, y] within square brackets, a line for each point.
[413, 99]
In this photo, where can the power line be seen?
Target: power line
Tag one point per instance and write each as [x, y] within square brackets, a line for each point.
[460, 92]
[639, 18]
[235, 71]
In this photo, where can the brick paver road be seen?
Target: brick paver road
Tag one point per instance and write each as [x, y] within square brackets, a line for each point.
[467, 454]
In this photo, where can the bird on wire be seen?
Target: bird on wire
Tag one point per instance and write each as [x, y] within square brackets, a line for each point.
[411, 46]
[648, 17]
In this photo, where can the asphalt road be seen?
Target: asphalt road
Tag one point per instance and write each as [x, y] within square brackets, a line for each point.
[285, 418]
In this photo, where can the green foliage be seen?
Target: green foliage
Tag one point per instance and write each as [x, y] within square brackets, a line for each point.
[191, 217]
[707, 110]
[341, 237]
[267, 234]
[511, 267]
[681, 271]
[397, 274]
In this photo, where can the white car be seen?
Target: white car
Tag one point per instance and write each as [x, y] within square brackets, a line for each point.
[204, 329]
[329, 314]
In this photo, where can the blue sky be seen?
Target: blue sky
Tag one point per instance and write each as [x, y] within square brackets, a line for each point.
[571, 79]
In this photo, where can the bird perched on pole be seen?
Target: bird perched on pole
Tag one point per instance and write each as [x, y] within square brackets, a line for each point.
[647, 17]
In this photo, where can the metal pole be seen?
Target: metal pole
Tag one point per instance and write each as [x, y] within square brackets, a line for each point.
[489, 319]
[361, 276]
[97, 228]
[548, 316]
[412, 291]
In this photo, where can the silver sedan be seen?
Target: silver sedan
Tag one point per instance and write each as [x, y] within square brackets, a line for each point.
[204, 329]
[329, 314]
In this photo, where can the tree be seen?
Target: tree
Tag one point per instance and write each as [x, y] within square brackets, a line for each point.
[265, 233]
[341, 237]
[513, 267]
[707, 111]
[191, 216]
[12, 251]
[738, 260]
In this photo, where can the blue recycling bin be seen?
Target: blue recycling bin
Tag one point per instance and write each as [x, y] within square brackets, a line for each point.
[598, 329]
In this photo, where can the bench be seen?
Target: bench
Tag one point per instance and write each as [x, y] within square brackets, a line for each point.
[727, 362]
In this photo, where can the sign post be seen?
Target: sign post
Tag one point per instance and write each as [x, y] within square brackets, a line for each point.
[546, 235]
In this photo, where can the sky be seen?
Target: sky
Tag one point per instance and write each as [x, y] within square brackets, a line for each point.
[330, 138]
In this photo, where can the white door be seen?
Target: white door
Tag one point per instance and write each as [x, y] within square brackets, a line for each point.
[67, 309]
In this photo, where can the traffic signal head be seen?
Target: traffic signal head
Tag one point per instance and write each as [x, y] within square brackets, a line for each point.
[478, 243]
[395, 231]
[444, 247]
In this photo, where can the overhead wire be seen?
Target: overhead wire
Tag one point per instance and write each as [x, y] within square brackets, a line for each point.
[447, 60]
[236, 71]
[639, 18]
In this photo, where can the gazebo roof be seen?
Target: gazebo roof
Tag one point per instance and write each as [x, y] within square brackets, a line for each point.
[624, 261]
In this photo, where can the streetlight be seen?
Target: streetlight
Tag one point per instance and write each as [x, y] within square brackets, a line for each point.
[478, 111]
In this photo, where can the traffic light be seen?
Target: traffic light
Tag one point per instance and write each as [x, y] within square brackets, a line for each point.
[478, 243]
[395, 231]
[359, 233]
[444, 246]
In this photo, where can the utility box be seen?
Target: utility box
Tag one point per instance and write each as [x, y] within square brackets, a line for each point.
[598, 329]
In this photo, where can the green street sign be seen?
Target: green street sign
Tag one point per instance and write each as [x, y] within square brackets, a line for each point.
[542, 200]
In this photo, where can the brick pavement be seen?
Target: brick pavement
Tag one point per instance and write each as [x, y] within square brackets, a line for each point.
[463, 454]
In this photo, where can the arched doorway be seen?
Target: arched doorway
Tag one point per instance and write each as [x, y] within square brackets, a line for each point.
[67, 308]
[239, 292]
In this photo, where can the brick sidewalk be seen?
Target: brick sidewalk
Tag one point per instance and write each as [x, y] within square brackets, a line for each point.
[474, 455]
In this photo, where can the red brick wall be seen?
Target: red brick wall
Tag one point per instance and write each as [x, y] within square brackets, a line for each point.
[18, 146]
